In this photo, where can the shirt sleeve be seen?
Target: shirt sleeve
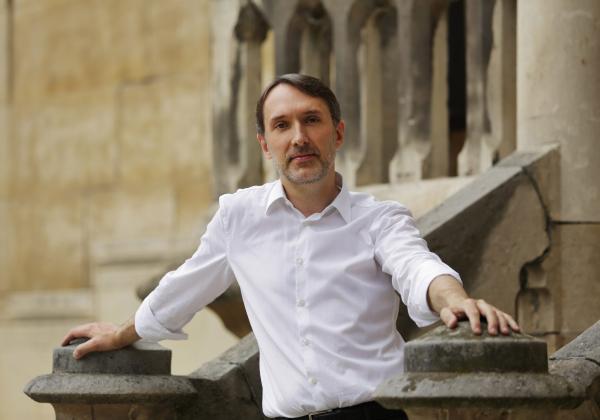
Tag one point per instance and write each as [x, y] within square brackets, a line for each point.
[183, 292]
[404, 255]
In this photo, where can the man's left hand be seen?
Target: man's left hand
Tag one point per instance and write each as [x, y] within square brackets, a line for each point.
[447, 297]
[474, 309]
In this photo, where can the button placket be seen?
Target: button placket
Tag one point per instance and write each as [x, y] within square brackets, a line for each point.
[302, 308]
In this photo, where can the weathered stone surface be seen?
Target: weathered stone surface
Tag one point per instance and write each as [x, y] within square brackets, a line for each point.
[558, 96]
[579, 247]
[44, 230]
[419, 196]
[142, 358]
[488, 231]
[579, 363]
[494, 390]
[118, 120]
[459, 350]
[136, 374]
[239, 30]
[586, 346]
[491, 70]
[229, 386]
[63, 388]
[455, 368]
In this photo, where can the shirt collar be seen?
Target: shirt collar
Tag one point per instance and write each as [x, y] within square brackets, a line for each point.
[341, 202]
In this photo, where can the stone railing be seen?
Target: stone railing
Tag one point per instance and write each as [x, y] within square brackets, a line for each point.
[451, 374]
[136, 383]
[454, 374]
[133, 383]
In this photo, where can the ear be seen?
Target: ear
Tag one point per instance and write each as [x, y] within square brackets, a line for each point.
[339, 134]
[263, 145]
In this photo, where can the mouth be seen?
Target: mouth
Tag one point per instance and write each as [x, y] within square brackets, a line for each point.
[302, 157]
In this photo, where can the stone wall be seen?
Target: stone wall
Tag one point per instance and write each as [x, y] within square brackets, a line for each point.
[558, 101]
[109, 135]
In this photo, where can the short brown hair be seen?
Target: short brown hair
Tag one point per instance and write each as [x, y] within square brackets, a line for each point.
[307, 84]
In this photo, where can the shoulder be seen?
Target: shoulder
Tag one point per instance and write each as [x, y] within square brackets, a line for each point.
[244, 200]
[366, 204]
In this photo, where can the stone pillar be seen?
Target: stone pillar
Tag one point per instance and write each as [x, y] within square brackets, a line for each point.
[491, 84]
[477, 377]
[378, 60]
[237, 85]
[415, 46]
[347, 85]
[132, 383]
[558, 85]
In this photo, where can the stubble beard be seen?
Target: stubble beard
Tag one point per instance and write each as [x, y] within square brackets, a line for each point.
[296, 177]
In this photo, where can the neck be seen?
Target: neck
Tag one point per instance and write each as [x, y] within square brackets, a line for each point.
[311, 198]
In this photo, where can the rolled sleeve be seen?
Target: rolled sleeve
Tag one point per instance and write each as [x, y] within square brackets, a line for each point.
[150, 329]
[404, 255]
[418, 308]
[183, 292]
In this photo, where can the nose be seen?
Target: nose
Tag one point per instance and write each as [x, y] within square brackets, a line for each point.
[300, 136]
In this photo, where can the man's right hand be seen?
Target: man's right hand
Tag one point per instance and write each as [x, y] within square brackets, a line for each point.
[102, 336]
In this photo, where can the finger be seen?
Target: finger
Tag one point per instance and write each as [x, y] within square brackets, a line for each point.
[474, 316]
[513, 324]
[503, 321]
[449, 318]
[77, 332]
[490, 314]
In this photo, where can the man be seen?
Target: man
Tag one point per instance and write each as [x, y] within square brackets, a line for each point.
[318, 267]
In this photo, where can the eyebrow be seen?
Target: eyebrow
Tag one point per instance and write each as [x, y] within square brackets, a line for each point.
[307, 113]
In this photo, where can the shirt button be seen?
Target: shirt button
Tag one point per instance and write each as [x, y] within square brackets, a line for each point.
[304, 342]
[299, 261]
[301, 302]
[313, 381]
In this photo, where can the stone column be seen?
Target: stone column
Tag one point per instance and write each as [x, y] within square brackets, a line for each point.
[132, 383]
[237, 86]
[415, 46]
[558, 102]
[491, 84]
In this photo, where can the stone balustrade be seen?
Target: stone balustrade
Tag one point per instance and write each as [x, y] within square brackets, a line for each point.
[132, 383]
[478, 376]
[450, 374]
[398, 69]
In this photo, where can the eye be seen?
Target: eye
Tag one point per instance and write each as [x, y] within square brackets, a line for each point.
[312, 119]
[280, 125]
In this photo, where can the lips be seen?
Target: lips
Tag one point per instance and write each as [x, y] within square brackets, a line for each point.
[302, 154]
[302, 157]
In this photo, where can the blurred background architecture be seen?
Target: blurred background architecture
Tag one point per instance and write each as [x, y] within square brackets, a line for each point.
[122, 121]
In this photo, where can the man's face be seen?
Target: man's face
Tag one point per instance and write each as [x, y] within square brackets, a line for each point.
[300, 135]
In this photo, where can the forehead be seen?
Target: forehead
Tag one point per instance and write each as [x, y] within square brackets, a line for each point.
[285, 99]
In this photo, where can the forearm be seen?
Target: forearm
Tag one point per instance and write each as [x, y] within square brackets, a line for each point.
[445, 291]
[126, 334]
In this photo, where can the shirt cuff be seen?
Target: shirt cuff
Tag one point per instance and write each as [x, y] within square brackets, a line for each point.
[419, 309]
[150, 329]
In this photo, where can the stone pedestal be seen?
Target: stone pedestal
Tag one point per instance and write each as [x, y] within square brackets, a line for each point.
[472, 376]
[132, 383]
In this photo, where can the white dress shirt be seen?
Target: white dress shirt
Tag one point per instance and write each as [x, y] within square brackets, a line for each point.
[319, 292]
